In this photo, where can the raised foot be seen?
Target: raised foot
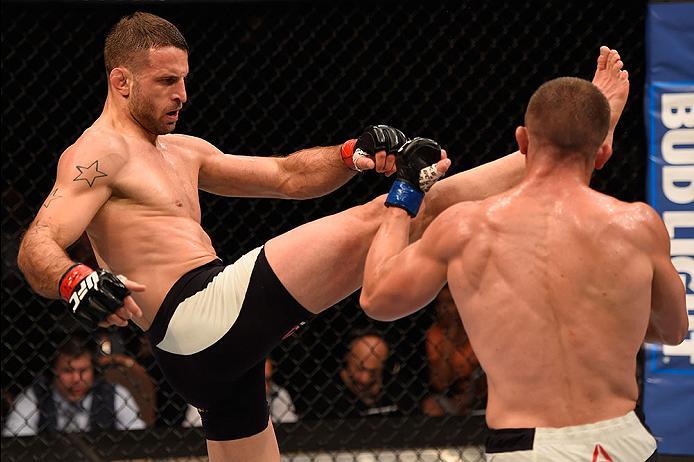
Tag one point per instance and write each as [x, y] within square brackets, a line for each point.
[613, 81]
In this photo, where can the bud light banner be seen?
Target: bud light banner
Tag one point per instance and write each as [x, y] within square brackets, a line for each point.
[668, 396]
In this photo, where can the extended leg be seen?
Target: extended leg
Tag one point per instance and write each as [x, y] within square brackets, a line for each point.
[321, 262]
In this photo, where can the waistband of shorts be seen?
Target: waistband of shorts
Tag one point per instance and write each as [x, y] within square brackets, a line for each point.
[522, 439]
[551, 434]
[509, 439]
[174, 296]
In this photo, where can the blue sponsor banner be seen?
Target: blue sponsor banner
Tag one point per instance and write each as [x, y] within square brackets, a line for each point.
[669, 106]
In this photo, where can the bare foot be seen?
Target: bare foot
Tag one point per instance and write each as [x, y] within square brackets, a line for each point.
[613, 82]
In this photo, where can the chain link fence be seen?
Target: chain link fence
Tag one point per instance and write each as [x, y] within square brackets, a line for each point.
[267, 79]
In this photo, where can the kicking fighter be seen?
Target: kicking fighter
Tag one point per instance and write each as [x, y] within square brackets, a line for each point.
[133, 186]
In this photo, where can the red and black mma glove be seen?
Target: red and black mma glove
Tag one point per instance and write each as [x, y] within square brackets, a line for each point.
[92, 295]
[374, 138]
[416, 174]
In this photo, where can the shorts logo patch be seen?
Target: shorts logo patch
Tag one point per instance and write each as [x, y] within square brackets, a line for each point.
[600, 455]
[293, 329]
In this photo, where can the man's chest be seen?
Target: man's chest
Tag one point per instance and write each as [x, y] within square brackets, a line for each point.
[165, 183]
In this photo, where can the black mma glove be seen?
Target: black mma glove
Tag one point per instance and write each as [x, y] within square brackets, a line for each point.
[374, 138]
[92, 295]
[416, 174]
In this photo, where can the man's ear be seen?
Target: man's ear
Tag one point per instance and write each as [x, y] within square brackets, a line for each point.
[603, 155]
[522, 139]
[120, 79]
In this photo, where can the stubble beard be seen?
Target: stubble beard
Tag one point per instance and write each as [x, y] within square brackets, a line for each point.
[144, 113]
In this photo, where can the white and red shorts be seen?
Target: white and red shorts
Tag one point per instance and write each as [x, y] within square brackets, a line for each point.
[615, 440]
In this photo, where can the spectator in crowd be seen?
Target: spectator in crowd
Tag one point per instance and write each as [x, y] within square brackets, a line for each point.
[74, 399]
[456, 380]
[122, 369]
[360, 389]
[281, 405]
[362, 378]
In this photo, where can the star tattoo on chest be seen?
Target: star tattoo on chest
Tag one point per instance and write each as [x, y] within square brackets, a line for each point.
[89, 174]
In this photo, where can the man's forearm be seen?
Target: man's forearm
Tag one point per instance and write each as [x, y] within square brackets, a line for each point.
[392, 237]
[42, 261]
[315, 172]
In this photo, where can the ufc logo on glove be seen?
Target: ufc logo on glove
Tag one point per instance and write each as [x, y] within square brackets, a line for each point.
[101, 291]
[87, 283]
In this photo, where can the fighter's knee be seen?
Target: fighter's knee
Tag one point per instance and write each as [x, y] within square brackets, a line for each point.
[372, 309]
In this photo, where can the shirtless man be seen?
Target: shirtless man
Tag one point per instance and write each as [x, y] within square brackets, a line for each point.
[557, 284]
[132, 186]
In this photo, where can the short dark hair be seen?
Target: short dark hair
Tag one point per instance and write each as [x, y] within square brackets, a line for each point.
[570, 113]
[136, 33]
[76, 345]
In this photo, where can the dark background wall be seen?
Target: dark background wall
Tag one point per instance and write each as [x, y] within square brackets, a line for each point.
[271, 78]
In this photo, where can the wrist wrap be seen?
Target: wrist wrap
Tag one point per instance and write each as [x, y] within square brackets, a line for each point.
[405, 196]
[348, 155]
[71, 278]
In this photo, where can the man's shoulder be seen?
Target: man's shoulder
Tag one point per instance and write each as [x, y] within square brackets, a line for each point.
[641, 211]
[98, 139]
[97, 145]
[644, 222]
[188, 142]
[459, 213]
[635, 222]
[460, 221]
[627, 214]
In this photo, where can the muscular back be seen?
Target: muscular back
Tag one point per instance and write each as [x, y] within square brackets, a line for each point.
[556, 303]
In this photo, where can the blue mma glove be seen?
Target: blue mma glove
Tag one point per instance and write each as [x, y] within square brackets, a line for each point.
[416, 162]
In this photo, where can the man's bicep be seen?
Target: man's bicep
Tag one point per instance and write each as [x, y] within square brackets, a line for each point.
[424, 264]
[85, 178]
[418, 273]
[63, 221]
[240, 176]
[408, 281]
[668, 303]
[73, 202]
